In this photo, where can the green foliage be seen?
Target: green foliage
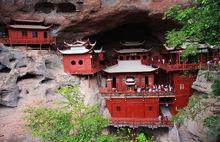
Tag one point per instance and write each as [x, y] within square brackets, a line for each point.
[50, 124]
[107, 138]
[216, 88]
[213, 123]
[196, 105]
[74, 122]
[190, 51]
[209, 76]
[200, 23]
[141, 137]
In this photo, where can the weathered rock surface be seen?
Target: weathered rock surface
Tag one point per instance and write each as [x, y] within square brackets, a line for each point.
[32, 79]
[204, 81]
[94, 17]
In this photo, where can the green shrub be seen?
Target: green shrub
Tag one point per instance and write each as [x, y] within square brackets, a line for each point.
[213, 123]
[216, 88]
[74, 122]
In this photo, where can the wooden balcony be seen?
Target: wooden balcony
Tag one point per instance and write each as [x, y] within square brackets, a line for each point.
[134, 94]
[137, 122]
[178, 67]
[27, 41]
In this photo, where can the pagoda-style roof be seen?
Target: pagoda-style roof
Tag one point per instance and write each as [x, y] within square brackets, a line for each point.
[80, 43]
[76, 43]
[128, 66]
[76, 50]
[37, 27]
[132, 43]
[29, 20]
[133, 50]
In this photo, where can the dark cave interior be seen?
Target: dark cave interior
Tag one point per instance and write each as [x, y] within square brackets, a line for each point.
[153, 35]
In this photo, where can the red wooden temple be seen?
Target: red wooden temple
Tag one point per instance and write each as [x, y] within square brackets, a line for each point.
[146, 87]
[142, 87]
[82, 59]
[27, 32]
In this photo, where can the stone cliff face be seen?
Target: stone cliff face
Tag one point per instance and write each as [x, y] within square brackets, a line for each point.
[79, 18]
[32, 79]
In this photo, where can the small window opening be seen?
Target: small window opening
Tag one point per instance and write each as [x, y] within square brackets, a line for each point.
[80, 62]
[150, 108]
[73, 62]
[45, 34]
[24, 34]
[34, 34]
[121, 58]
[118, 108]
[133, 57]
[181, 86]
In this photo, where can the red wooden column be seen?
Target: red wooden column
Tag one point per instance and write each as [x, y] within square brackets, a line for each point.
[178, 57]
[109, 84]
[151, 80]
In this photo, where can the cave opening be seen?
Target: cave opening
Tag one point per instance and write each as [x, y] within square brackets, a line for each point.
[66, 7]
[28, 76]
[153, 35]
[45, 7]
[5, 69]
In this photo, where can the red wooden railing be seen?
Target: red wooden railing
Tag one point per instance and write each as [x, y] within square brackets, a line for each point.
[135, 122]
[28, 41]
[135, 93]
[4, 40]
[178, 67]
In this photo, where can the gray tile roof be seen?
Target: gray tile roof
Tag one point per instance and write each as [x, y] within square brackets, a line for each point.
[75, 50]
[37, 27]
[127, 66]
[133, 50]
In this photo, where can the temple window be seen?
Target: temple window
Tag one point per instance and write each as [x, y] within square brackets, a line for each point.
[45, 34]
[150, 108]
[121, 58]
[181, 86]
[24, 34]
[34, 34]
[133, 57]
[127, 57]
[144, 57]
[80, 62]
[73, 62]
[118, 108]
[138, 57]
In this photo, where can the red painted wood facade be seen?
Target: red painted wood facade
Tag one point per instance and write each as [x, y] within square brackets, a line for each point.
[133, 108]
[81, 58]
[182, 88]
[129, 107]
[147, 93]
[83, 64]
[28, 32]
